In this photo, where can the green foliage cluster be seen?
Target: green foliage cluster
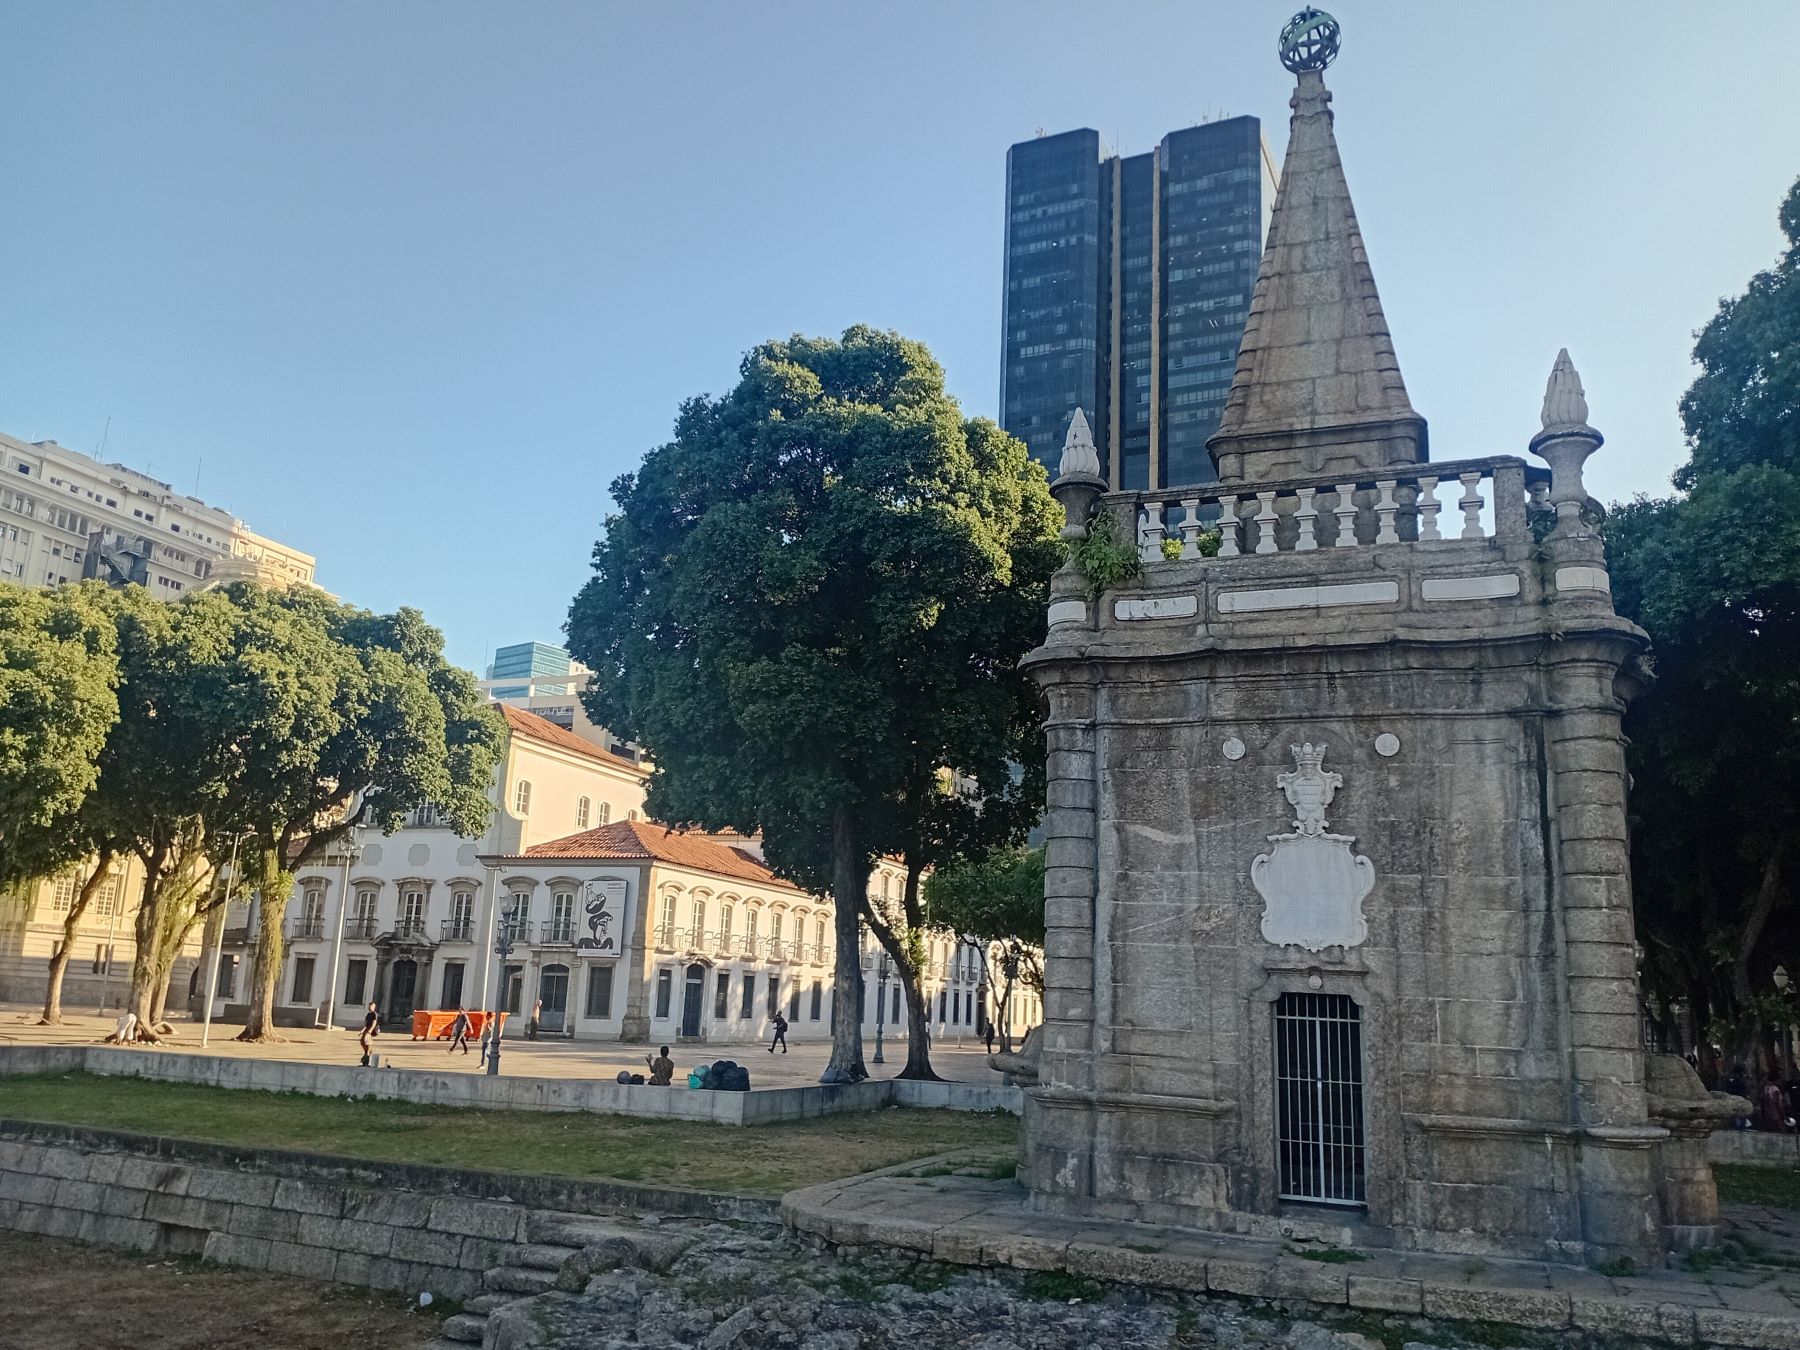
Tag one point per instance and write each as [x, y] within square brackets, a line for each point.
[1714, 576]
[1102, 558]
[809, 606]
[238, 720]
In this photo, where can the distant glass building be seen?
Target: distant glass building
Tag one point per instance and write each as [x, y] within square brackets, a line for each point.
[1127, 284]
[528, 663]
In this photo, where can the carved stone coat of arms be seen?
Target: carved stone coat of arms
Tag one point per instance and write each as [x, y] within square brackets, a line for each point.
[1312, 882]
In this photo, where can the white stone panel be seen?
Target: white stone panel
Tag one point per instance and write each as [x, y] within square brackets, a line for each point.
[1494, 586]
[1310, 597]
[1068, 611]
[1583, 579]
[1157, 607]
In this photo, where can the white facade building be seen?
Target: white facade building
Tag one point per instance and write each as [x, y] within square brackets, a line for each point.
[65, 516]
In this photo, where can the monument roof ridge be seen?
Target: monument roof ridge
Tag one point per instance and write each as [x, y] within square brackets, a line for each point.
[1317, 354]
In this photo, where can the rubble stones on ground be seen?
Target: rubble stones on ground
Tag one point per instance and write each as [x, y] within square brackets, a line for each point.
[745, 1287]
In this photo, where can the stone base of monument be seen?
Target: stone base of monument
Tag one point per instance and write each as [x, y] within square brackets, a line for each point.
[974, 1222]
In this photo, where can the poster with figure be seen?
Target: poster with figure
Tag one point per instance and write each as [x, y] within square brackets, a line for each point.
[603, 905]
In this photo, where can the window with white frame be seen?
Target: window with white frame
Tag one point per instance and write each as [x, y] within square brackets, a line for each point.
[562, 916]
[583, 809]
[462, 913]
[605, 813]
[698, 914]
[412, 910]
[62, 893]
[666, 937]
[367, 898]
[522, 797]
[106, 899]
[724, 921]
[819, 936]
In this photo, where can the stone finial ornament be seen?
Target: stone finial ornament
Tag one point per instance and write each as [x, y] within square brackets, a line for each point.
[1565, 401]
[1565, 443]
[1079, 457]
[1309, 40]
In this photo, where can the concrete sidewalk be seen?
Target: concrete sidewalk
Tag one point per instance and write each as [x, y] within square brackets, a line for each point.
[967, 1220]
[548, 1058]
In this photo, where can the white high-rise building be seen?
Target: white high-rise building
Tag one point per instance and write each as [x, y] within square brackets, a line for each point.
[65, 516]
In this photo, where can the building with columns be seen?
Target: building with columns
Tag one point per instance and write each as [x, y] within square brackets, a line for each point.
[1339, 913]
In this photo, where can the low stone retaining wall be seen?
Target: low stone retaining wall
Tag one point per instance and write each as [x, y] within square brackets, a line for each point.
[759, 1107]
[1754, 1147]
[382, 1225]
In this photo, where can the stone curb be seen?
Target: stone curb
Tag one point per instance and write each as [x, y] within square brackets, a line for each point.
[1265, 1271]
[566, 1194]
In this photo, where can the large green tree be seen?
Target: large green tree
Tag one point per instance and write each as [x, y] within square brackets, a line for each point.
[1714, 576]
[995, 899]
[809, 606]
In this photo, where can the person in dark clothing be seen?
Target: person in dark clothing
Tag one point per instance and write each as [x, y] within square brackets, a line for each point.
[1772, 1104]
[459, 1031]
[537, 1019]
[662, 1068]
[370, 1029]
[780, 1034]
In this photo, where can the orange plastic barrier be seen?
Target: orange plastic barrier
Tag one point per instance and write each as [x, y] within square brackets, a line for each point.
[431, 1026]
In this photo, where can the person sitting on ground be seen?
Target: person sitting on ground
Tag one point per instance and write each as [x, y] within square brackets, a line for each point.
[459, 1030]
[662, 1068]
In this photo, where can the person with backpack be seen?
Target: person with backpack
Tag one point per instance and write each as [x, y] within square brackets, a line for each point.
[780, 1034]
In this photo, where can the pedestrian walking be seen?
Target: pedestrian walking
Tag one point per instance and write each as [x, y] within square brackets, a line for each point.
[987, 1033]
[780, 1035]
[537, 1017]
[370, 1029]
[459, 1031]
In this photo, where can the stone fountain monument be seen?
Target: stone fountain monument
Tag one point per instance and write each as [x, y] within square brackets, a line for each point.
[1339, 915]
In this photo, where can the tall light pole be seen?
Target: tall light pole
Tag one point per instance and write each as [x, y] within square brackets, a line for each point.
[881, 974]
[352, 841]
[212, 970]
[503, 948]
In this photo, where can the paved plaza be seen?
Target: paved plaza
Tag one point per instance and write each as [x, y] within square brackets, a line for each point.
[964, 1062]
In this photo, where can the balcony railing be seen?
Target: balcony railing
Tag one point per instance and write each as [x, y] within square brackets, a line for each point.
[456, 930]
[557, 933]
[360, 929]
[301, 929]
[408, 928]
[1489, 499]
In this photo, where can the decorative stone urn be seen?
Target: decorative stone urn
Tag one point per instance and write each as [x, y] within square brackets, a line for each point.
[1685, 1190]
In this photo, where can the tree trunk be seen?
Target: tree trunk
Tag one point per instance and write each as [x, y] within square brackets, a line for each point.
[269, 951]
[59, 963]
[918, 1031]
[1767, 894]
[849, 885]
[143, 930]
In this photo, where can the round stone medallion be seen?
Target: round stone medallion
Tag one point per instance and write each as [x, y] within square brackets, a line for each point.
[1233, 748]
[1387, 745]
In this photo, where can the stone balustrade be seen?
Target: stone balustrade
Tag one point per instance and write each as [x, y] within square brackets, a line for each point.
[1419, 504]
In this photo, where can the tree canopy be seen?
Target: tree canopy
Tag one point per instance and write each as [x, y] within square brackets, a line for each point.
[1714, 577]
[809, 607]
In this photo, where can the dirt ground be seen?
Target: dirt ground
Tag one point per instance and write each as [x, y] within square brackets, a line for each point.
[66, 1296]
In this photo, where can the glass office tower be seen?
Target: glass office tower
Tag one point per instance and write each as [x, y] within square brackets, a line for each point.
[1127, 284]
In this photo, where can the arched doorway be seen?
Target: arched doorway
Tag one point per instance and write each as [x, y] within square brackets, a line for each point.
[553, 991]
[403, 980]
[693, 996]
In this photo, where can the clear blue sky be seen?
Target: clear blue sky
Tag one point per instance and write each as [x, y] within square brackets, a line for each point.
[407, 285]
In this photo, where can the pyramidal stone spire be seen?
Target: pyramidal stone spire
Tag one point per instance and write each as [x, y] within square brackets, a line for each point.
[1079, 457]
[1317, 388]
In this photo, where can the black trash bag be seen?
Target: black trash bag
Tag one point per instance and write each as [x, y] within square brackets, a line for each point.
[737, 1079]
[638, 1078]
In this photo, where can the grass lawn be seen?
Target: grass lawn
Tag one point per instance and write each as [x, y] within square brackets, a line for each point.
[760, 1160]
[1740, 1184]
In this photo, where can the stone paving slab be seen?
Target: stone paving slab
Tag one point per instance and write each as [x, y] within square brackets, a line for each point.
[967, 1221]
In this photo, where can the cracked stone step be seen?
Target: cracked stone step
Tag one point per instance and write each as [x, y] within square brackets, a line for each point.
[483, 1304]
[575, 1230]
[464, 1328]
[539, 1255]
[520, 1280]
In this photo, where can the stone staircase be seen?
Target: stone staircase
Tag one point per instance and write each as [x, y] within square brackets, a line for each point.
[564, 1251]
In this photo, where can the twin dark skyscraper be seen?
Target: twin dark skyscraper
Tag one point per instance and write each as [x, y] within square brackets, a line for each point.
[1128, 280]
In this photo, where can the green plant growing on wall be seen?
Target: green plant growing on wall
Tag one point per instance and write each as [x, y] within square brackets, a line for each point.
[1101, 558]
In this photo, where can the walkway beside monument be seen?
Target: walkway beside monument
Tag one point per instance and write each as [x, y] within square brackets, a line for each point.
[968, 1221]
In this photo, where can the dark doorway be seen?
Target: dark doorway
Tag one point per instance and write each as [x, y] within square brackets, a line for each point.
[1319, 1097]
[553, 990]
[512, 989]
[402, 980]
[691, 999]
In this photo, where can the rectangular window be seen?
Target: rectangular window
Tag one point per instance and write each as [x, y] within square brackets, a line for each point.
[956, 1007]
[749, 1006]
[1319, 1098]
[665, 990]
[453, 985]
[943, 1003]
[794, 1003]
[774, 994]
[722, 997]
[895, 1017]
[818, 999]
[101, 959]
[356, 975]
[599, 991]
[228, 966]
[303, 976]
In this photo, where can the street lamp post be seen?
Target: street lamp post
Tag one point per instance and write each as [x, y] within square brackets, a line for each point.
[881, 974]
[212, 969]
[352, 842]
[503, 948]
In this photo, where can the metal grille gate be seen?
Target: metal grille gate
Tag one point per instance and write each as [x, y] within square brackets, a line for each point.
[1319, 1097]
